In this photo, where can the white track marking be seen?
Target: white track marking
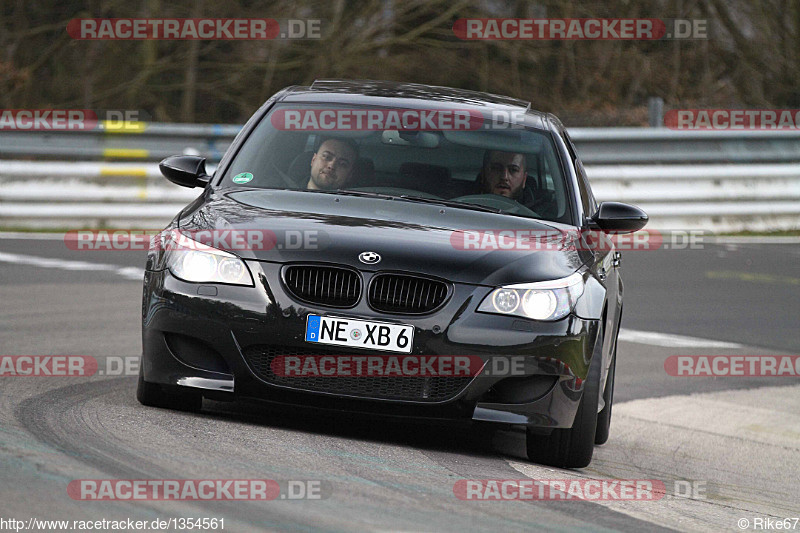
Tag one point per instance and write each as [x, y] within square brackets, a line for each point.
[24, 236]
[671, 341]
[755, 239]
[132, 273]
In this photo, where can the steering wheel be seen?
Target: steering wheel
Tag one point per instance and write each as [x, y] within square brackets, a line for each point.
[500, 202]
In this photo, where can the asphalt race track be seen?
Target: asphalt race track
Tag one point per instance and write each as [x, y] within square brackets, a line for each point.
[734, 440]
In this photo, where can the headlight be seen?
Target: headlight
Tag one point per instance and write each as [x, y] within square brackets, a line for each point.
[543, 300]
[194, 261]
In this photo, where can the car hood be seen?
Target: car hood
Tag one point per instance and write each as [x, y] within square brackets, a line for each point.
[301, 226]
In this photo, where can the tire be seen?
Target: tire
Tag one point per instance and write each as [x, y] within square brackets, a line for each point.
[154, 395]
[573, 447]
[604, 416]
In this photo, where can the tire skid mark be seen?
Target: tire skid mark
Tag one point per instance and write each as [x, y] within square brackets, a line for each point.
[57, 419]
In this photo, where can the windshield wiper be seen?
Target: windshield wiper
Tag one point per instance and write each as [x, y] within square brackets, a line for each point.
[409, 198]
[346, 192]
[450, 203]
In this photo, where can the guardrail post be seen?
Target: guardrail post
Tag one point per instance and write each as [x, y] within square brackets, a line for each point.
[655, 111]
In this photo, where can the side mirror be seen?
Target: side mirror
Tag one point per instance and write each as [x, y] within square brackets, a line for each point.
[185, 170]
[619, 217]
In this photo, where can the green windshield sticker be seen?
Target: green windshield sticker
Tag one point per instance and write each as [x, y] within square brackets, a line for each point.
[244, 177]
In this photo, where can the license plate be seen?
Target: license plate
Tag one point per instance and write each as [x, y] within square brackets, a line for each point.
[359, 333]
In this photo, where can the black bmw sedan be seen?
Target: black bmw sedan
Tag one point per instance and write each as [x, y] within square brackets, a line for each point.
[398, 249]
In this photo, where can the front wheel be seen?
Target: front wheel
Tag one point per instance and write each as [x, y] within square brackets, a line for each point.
[573, 447]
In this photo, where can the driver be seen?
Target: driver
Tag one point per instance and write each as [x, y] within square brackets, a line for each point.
[332, 165]
[503, 173]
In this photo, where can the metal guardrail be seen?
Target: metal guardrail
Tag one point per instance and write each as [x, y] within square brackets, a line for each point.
[142, 142]
[717, 180]
[608, 146]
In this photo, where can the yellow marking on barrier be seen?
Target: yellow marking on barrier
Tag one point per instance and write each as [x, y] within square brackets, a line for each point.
[113, 171]
[123, 126]
[142, 194]
[125, 152]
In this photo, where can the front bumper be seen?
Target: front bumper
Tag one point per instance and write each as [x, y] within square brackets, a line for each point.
[226, 323]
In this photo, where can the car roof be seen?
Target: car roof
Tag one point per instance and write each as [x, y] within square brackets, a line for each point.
[410, 95]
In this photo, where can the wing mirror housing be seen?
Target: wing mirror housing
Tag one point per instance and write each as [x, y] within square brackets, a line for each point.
[619, 217]
[185, 170]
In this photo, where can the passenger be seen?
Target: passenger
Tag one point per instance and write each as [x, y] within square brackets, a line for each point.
[503, 173]
[332, 165]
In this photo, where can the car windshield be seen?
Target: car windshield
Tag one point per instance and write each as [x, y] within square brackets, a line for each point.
[458, 159]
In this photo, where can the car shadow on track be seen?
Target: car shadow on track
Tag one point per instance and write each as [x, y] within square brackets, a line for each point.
[463, 438]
